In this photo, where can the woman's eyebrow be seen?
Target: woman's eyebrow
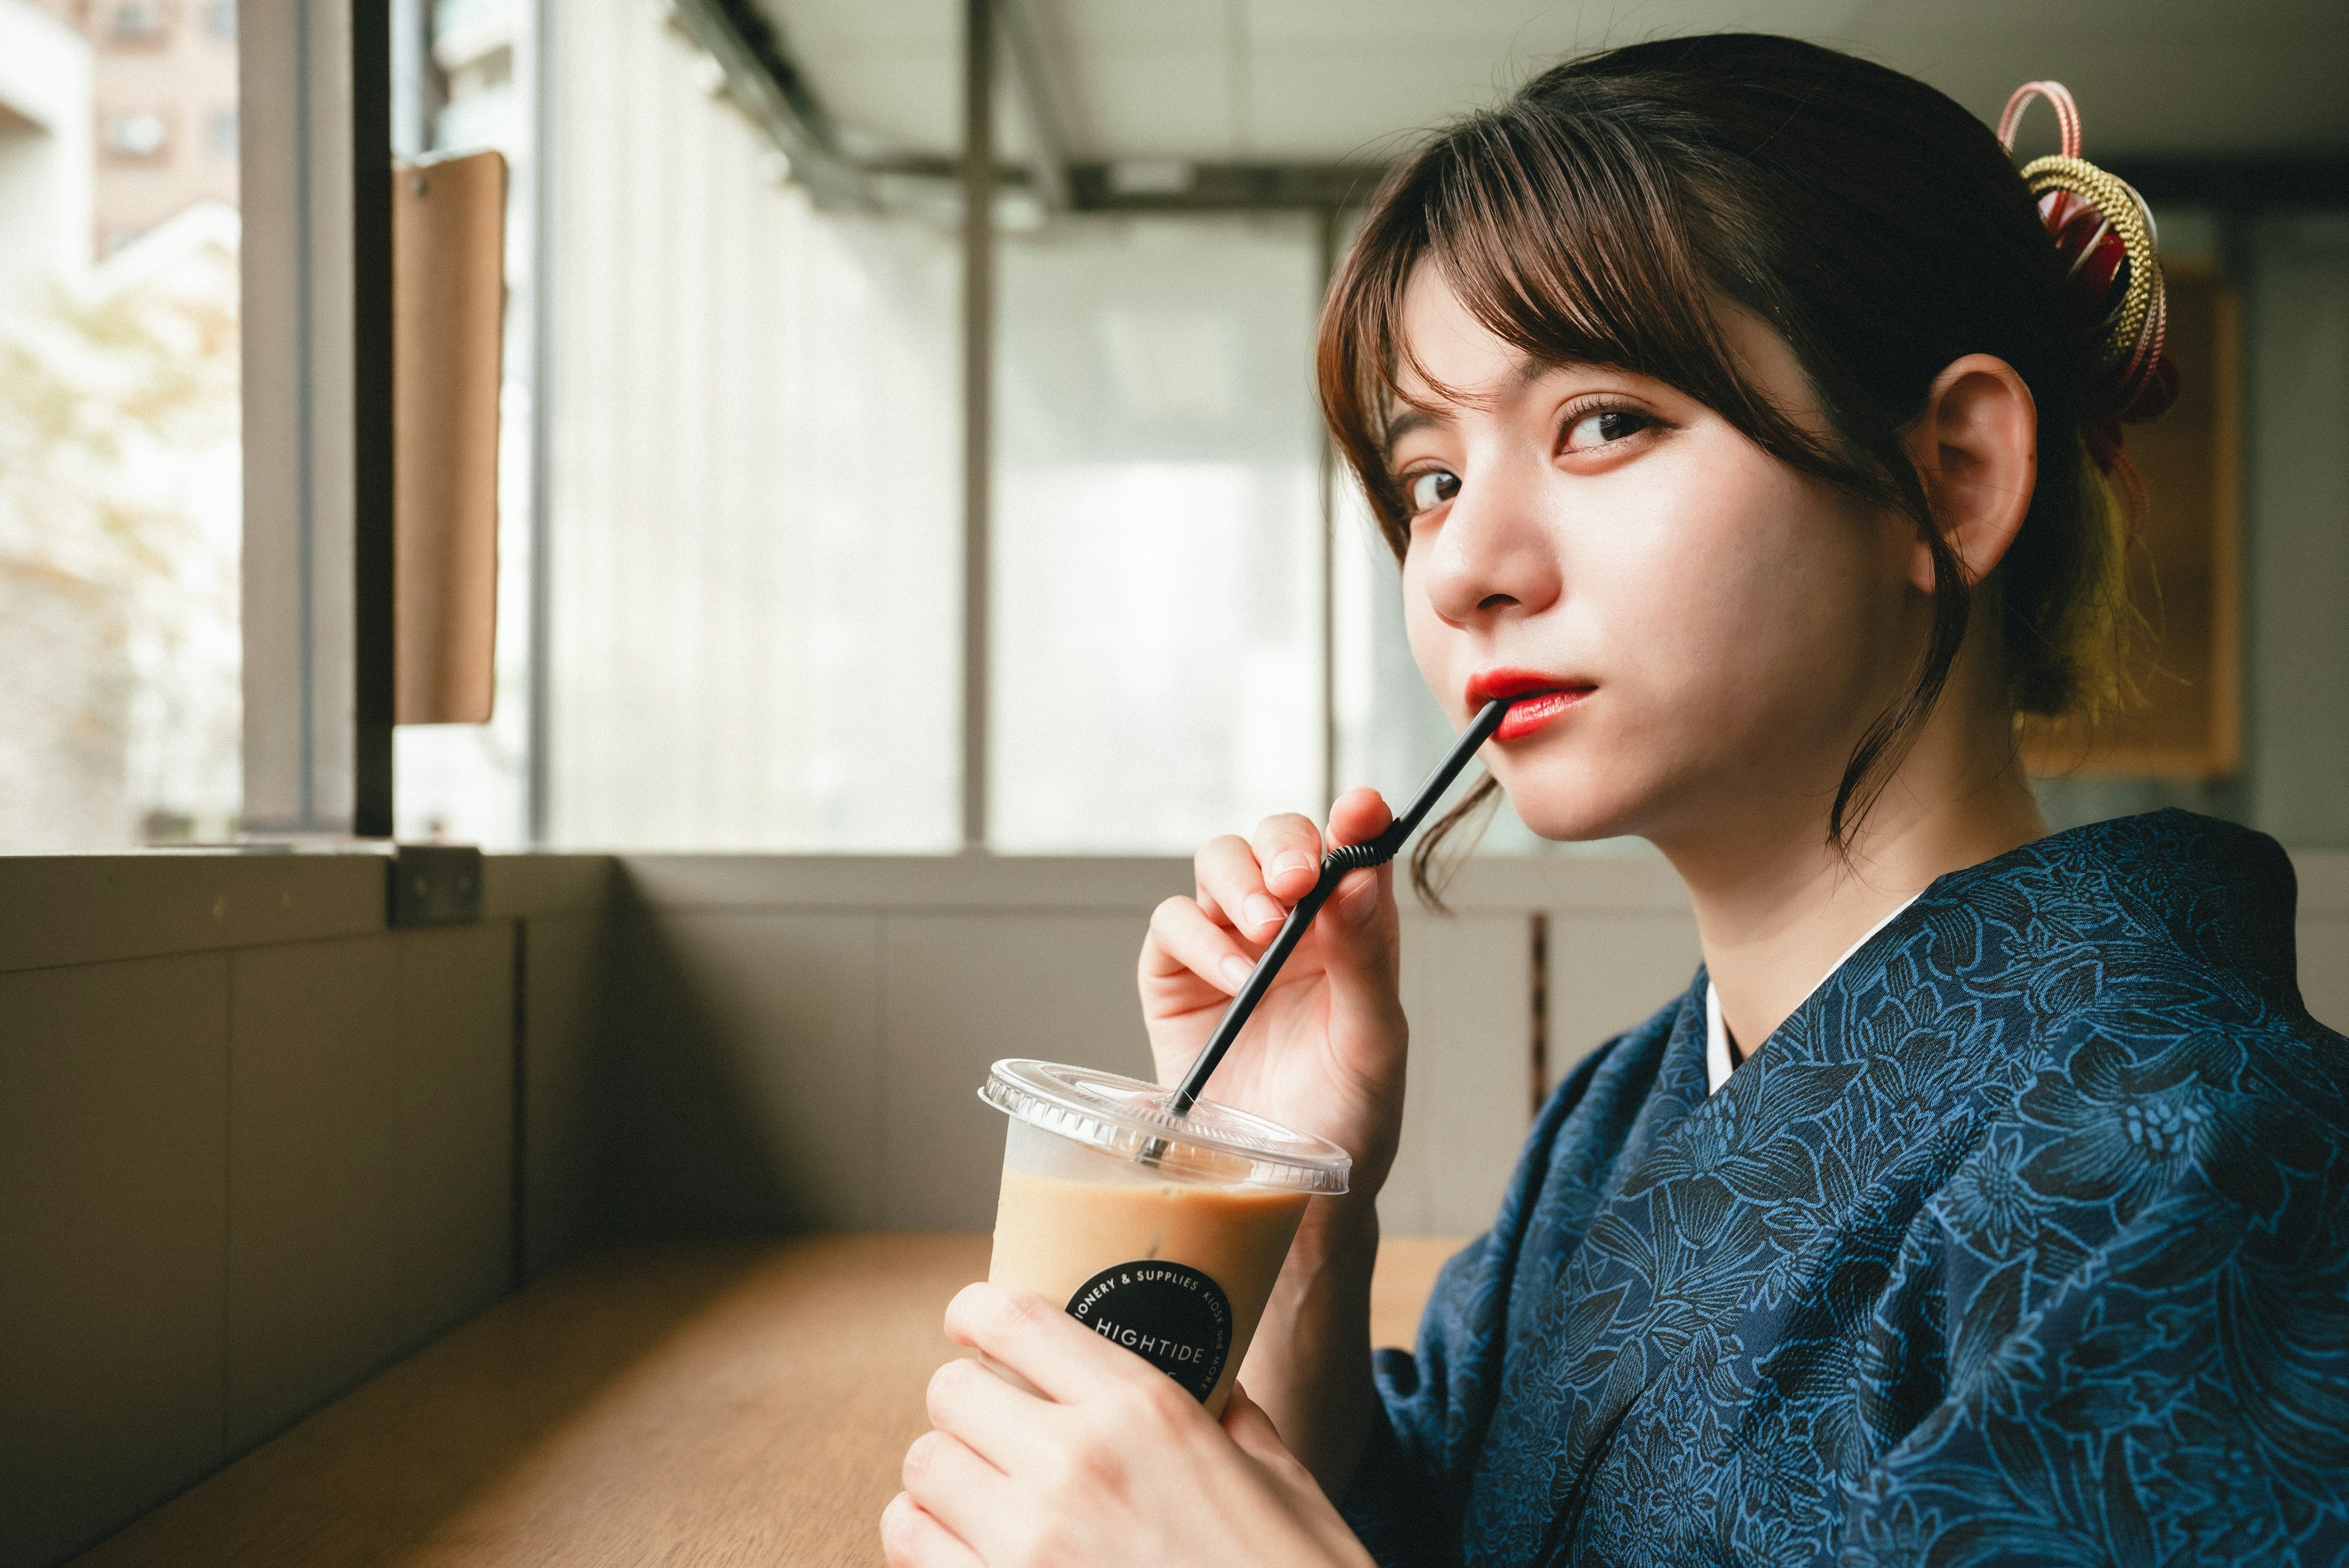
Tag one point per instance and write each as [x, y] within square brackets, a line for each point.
[1403, 424]
[1414, 418]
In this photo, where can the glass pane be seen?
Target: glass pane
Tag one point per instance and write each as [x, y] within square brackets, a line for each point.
[461, 70]
[754, 531]
[120, 514]
[1157, 600]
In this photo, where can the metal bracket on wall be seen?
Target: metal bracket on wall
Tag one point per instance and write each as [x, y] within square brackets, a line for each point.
[433, 884]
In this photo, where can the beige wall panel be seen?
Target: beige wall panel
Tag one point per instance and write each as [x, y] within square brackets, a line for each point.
[1402, 1202]
[562, 977]
[1467, 989]
[749, 1086]
[56, 910]
[316, 1234]
[538, 883]
[2324, 969]
[456, 1122]
[980, 884]
[2324, 934]
[1610, 971]
[963, 990]
[1628, 877]
[113, 1227]
[2324, 876]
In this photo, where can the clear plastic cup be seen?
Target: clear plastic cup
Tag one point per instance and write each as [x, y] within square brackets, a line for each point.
[1163, 1234]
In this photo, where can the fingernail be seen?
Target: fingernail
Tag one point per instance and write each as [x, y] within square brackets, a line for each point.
[1357, 906]
[1236, 971]
[1261, 911]
[1294, 861]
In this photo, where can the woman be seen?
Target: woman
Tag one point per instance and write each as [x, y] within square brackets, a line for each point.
[1986, 1198]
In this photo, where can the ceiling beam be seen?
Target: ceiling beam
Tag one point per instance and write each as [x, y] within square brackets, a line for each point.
[1201, 187]
[1225, 187]
[763, 78]
[758, 71]
[766, 84]
[1031, 76]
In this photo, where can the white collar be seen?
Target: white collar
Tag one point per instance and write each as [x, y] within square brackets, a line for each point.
[1717, 1065]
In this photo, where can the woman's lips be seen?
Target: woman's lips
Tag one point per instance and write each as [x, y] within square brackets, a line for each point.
[1535, 698]
[1530, 713]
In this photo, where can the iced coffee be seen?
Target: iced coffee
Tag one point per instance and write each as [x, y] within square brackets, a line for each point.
[1163, 1234]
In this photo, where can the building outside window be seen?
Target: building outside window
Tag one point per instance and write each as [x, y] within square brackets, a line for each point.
[120, 509]
[138, 133]
[135, 22]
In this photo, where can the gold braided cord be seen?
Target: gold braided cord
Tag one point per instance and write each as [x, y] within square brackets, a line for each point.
[2118, 203]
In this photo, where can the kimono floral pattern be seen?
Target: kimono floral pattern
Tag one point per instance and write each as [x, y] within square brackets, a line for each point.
[2025, 1240]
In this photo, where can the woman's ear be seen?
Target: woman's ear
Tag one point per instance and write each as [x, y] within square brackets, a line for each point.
[1976, 448]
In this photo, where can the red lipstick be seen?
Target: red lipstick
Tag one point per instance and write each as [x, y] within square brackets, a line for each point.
[1536, 699]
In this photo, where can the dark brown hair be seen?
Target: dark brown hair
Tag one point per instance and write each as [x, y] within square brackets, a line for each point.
[1602, 214]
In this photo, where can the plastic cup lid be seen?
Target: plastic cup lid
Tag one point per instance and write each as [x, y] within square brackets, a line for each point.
[1126, 1116]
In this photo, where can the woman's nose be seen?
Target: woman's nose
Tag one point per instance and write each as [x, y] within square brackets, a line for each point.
[1493, 556]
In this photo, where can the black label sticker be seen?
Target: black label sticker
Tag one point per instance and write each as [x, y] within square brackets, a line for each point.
[1169, 1314]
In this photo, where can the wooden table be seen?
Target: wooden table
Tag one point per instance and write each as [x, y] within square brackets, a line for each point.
[705, 1403]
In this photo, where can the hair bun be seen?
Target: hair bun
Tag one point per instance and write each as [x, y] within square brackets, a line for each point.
[2113, 288]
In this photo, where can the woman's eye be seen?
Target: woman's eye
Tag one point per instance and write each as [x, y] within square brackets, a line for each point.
[1603, 427]
[1428, 491]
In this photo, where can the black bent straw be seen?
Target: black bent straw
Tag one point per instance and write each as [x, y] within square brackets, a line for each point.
[1372, 851]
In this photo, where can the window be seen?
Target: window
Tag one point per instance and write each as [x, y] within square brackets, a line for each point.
[1157, 641]
[741, 626]
[135, 22]
[120, 511]
[754, 583]
[754, 616]
[138, 133]
[219, 132]
[220, 21]
[471, 782]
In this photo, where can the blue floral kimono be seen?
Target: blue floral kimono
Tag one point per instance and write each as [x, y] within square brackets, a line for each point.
[2025, 1240]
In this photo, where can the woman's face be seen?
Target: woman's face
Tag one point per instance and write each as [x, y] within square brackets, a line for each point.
[1698, 635]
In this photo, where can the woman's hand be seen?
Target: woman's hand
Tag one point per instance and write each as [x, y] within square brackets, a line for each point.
[1323, 1052]
[1116, 1464]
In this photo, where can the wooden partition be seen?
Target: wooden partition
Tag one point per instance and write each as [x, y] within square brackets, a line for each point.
[255, 1145]
[802, 1039]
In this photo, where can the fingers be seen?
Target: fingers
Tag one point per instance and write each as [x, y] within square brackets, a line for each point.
[1253, 1433]
[1289, 849]
[1361, 893]
[1250, 883]
[1359, 814]
[1043, 1343]
[1356, 816]
[1249, 1427]
[999, 1423]
[1246, 886]
[1183, 939]
[911, 1538]
[1231, 888]
[959, 1489]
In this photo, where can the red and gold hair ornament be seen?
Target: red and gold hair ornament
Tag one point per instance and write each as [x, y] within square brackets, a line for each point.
[2113, 285]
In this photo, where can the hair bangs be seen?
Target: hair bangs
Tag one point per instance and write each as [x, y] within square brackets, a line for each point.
[1565, 239]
